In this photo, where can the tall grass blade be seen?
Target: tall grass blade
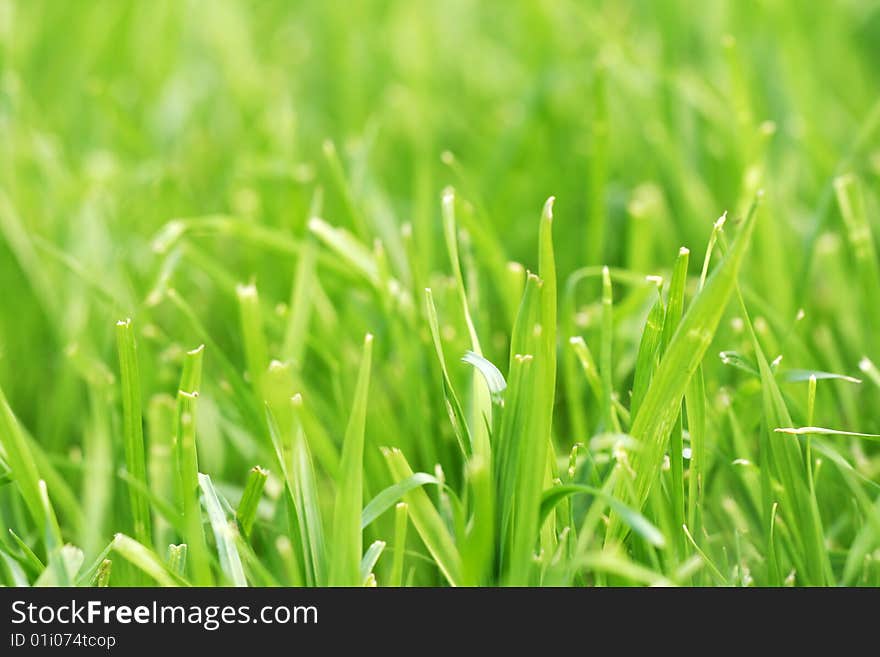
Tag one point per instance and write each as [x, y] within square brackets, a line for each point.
[347, 533]
[133, 431]
[687, 346]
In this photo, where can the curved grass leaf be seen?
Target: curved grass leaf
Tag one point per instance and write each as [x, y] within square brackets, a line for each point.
[371, 557]
[493, 376]
[805, 375]
[393, 494]
[822, 431]
[145, 560]
[427, 520]
[633, 519]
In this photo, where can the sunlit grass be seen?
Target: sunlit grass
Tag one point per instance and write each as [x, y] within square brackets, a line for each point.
[518, 206]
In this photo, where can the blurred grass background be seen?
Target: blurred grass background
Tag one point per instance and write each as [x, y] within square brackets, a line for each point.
[118, 116]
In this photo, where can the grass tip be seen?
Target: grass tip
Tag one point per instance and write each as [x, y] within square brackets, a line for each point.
[196, 351]
[246, 290]
[843, 180]
[448, 196]
[548, 208]
[168, 236]
[683, 251]
[297, 399]
[154, 298]
[275, 365]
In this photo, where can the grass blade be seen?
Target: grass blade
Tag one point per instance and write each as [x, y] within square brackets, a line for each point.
[255, 349]
[177, 559]
[481, 405]
[371, 557]
[609, 424]
[250, 499]
[534, 441]
[17, 454]
[133, 431]
[689, 343]
[187, 458]
[647, 358]
[145, 560]
[453, 406]
[401, 522]
[225, 534]
[821, 431]
[426, 520]
[307, 503]
[674, 311]
[391, 495]
[633, 519]
[347, 533]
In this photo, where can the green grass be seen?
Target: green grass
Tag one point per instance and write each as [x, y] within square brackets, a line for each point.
[574, 372]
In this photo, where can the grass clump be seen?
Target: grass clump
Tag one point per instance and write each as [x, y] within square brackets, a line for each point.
[611, 388]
